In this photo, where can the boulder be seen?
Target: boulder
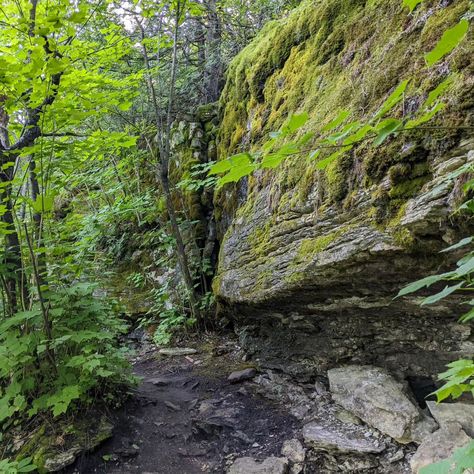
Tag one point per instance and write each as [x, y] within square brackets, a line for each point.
[294, 451]
[462, 413]
[177, 351]
[331, 437]
[242, 375]
[310, 262]
[439, 445]
[61, 460]
[248, 465]
[379, 400]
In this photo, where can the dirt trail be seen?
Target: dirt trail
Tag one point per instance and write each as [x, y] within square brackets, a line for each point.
[186, 418]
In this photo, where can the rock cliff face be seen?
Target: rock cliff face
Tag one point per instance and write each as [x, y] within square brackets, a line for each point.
[311, 260]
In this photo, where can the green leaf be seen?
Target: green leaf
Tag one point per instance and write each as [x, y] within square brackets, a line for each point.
[342, 116]
[314, 155]
[393, 99]
[79, 16]
[419, 284]
[426, 117]
[385, 129]
[469, 316]
[358, 136]
[460, 244]
[442, 467]
[220, 167]
[305, 138]
[61, 400]
[43, 203]
[25, 465]
[241, 166]
[242, 159]
[323, 164]
[350, 127]
[466, 268]
[438, 91]
[449, 40]
[442, 294]
[274, 159]
[295, 122]
[411, 4]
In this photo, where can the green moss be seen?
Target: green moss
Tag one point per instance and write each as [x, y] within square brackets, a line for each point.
[331, 55]
[205, 113]
[259, 241]
[407, 189]
[51, 440]
[338, 175]
[404, 238]
[309, 248]
[295, 277]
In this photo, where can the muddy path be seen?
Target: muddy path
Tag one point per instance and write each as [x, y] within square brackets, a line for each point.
[186, 417]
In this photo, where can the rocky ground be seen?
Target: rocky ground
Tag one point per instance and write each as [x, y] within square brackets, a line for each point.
[203, 408]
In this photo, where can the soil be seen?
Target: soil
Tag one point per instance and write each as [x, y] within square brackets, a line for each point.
[186, 418]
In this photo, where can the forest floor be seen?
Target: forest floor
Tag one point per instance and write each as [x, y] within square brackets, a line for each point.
[185, 417]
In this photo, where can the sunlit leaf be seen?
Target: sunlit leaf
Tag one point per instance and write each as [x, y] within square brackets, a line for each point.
[411, 4]
[449, 40]
[342, 116]
[295, 122]
[385, 129]
[438, 91]
[323, 164]
[426, 117]
[393, 99]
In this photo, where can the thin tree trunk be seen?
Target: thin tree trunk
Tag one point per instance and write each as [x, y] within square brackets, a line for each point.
[164, 146]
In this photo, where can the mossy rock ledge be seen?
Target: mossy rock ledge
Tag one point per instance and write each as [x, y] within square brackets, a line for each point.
[310, 261]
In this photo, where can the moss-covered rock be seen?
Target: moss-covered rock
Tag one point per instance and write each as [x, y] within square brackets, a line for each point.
[295, 237]
[54, 446]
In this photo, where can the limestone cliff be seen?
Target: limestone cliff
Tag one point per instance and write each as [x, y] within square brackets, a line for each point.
[310, 260]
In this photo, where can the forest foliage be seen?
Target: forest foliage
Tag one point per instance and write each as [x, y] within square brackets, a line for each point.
[89, 92]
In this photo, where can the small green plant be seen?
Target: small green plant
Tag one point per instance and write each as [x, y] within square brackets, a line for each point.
[170, 322]
[16, 467]
[79, 362]
[137, 279]
[198, 179]
[171, 318]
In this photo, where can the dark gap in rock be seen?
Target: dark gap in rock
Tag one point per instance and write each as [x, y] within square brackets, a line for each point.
[422, 387]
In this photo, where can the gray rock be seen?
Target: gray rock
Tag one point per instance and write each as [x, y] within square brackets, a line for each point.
[294, 451]
[439, 445]
[177, 351]
[398, 456]
[283, 390]
[462, 413]
[380, 401]
[242, 375]
[62, 460]
[172, 406]
[332, 438]
[297, 468]
[248, 465]
[242, 436]
[213, 418]
[347, 417]
[56, 461]
[159, 381]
